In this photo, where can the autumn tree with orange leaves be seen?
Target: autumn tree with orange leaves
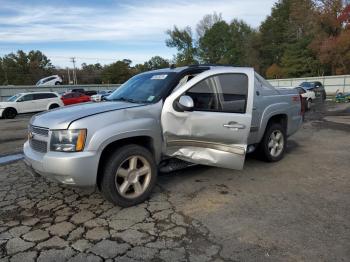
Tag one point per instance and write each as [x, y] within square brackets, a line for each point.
[333, 42]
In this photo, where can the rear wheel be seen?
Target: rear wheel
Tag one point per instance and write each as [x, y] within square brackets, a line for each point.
[129, 176]
[274, 143]
[53, 106]
[9, 113]
[57, 83]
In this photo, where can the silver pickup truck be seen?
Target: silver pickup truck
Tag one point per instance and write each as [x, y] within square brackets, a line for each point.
[163, 120]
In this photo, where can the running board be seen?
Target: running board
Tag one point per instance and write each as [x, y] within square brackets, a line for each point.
[173, 164]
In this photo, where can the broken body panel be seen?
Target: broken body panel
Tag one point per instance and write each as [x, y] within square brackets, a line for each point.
[209, 138]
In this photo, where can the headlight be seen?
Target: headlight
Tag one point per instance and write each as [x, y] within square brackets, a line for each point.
[68, 140]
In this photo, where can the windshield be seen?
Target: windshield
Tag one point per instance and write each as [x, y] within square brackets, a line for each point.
[306, 84]
[143, 88]
[13, 98]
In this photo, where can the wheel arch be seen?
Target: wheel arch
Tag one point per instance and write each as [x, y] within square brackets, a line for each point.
[53, 104]
[11, 107]
[8, 108]
[142, 140]
[281, 118]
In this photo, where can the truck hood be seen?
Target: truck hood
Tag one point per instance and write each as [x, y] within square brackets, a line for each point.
[61, 118]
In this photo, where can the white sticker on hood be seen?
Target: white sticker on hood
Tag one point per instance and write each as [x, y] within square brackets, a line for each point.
[158, 77]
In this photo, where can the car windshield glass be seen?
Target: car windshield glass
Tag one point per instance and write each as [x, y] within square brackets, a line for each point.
[143, 88]
[13, 98]
[306, 84]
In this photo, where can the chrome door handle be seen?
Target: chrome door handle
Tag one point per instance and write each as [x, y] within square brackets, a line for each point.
[234, 125]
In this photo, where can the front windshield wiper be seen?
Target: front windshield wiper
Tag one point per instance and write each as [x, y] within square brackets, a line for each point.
[124, 99]
[130, 100]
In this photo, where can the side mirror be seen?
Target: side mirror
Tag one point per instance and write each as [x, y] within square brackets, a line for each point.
[185, 103]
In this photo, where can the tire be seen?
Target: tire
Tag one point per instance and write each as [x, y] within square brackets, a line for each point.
[308, 104]
[57, 83]
[279, 145]
[53, 106]
[121, 183]
[9, 113]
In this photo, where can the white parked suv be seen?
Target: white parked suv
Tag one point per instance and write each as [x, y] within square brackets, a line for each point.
[29, 102]
[50, 81]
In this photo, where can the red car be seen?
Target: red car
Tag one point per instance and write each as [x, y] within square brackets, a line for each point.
[75, 98]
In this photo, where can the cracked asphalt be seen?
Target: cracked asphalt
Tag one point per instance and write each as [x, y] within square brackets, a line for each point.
[293, 210]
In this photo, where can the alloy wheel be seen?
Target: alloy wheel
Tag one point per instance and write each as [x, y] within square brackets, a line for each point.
[276, 143]
[133, 177]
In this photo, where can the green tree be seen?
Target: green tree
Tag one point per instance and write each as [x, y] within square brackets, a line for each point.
[3, 78]
[117, 72]
[90, 73]
[226, 43]
[25, 69]
[241, 35]
[183, 41]
[207, 22]
[214, 45]
[298, 60]
[156, 62]
[273, 33]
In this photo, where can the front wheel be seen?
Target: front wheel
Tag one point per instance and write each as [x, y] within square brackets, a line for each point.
[129, 176]
[9, 113]
[274, 143]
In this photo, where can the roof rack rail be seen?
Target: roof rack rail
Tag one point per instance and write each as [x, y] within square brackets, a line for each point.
[198, 65]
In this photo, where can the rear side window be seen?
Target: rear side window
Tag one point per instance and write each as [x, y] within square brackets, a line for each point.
[49, 79]
[44, 96]
[221, 93]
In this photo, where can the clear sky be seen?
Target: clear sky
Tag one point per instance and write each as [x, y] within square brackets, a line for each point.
[108, 30]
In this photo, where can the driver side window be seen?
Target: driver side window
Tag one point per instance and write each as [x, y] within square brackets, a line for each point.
[26, 98]
[221, 93]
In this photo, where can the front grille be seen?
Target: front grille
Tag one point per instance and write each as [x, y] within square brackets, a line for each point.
[38, 145]
[39, 130]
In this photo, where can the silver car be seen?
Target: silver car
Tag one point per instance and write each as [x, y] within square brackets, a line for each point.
[163, 120]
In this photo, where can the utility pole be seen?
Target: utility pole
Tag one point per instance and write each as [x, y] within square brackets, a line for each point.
[74, 71]
[68, 75]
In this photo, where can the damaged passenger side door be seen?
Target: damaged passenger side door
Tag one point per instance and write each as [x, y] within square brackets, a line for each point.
[207, 121]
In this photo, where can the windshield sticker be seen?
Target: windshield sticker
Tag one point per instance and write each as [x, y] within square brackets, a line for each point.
[150, 98]
[158, 77]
